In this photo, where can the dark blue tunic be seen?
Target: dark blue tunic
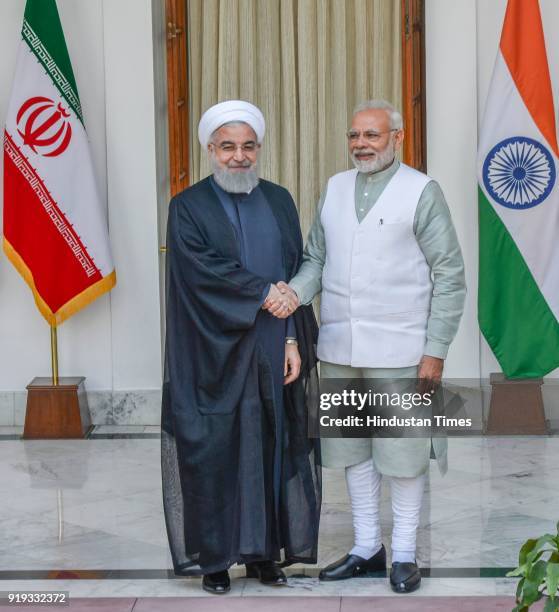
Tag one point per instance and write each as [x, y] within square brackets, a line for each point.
[259, 238]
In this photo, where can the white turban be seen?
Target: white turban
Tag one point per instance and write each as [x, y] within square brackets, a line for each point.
[225, 112]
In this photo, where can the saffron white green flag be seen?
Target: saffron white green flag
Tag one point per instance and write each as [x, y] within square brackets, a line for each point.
[518, 300]
[55, 230]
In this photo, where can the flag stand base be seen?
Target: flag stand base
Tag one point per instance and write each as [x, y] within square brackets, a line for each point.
[56, 411]
[516, 407]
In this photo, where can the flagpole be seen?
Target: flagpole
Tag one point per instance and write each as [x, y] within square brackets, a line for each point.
[54, 354]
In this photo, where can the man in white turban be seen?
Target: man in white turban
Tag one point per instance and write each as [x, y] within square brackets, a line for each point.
[241, 482]
[231, 111]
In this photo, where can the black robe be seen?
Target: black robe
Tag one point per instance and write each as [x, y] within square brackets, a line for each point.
[218, 423]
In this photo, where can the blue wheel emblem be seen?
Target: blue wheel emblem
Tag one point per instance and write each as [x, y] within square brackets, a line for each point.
[519, 173]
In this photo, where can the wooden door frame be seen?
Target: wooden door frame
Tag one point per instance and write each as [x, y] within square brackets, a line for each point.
[413, 83]
[177, 94]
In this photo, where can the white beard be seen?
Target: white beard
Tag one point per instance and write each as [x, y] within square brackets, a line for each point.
[235, 182]
[381, 161]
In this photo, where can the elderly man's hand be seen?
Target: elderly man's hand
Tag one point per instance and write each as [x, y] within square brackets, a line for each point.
[292, 365]
[274, 296]
[283, 305]
[429, 373]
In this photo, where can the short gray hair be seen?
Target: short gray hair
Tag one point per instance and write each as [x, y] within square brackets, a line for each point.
[396, 121]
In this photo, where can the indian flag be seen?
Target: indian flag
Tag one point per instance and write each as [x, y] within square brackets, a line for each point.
[55, 228]
[518, 297]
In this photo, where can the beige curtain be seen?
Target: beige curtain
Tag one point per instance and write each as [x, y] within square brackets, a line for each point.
[306, 64]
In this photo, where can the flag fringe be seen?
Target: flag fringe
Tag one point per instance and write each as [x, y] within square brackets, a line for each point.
[69, 308]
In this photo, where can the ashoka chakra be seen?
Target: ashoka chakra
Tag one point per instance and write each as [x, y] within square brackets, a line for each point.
[519, 172]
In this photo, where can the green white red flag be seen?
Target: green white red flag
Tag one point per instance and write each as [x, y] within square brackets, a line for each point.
[55, 227]
[518, 300]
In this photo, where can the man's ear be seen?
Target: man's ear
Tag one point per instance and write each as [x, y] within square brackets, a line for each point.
[398, 139]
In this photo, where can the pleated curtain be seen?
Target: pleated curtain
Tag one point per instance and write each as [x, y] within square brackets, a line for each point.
[306, 64]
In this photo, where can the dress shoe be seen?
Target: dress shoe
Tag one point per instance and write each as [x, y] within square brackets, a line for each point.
[404, 577]
[353, 565]
[267, 572]
[217, 583]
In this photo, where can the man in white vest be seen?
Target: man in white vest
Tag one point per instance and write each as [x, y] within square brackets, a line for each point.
[384, 253]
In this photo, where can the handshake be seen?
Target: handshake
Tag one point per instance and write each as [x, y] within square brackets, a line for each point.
[281, 300]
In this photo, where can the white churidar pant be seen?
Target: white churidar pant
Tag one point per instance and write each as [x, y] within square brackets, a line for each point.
[363, 483]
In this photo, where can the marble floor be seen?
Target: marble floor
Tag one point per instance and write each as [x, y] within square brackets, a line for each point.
[86, 516]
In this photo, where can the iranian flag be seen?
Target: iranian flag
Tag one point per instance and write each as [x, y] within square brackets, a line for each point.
[55, 228]
[518, 297]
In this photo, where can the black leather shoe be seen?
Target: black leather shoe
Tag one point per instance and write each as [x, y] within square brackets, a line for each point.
[353, 565]
[404, 577]
[267, 572]
[218, 583]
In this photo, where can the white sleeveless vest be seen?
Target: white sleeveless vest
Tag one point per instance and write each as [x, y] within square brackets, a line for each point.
[376, 283]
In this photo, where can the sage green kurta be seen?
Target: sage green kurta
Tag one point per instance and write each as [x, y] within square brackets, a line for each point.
[436, 237]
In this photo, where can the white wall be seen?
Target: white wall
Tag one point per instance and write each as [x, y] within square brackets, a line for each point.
[115, 342]
[450, 51]
[462, 37]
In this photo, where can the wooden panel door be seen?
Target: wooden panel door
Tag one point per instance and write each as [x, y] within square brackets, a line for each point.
[413, 83]
[177, 92]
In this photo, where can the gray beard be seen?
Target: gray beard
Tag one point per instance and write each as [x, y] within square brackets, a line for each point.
[381, 161]
[235, 182]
